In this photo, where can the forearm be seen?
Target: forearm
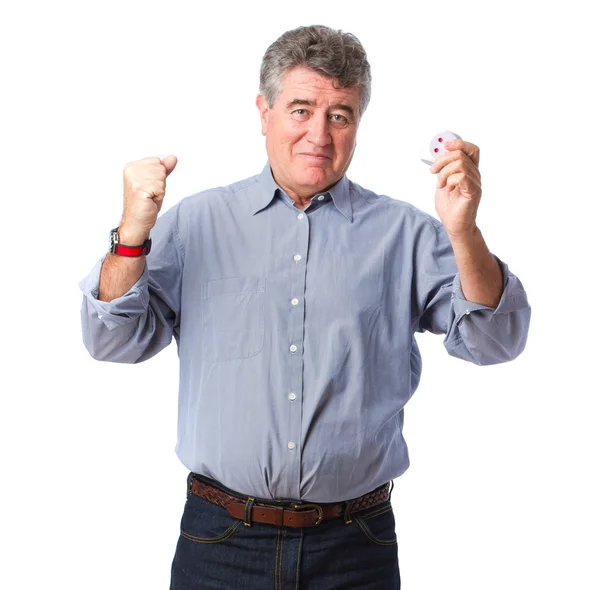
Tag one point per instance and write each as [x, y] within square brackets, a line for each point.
[118, 275]
[479, 272]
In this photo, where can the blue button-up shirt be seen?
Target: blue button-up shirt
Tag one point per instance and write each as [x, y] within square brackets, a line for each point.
[295, 331]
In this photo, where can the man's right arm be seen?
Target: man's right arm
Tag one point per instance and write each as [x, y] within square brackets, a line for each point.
[120, 273]
[129, 313]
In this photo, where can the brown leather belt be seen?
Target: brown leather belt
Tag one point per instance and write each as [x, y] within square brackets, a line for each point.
[293, 514]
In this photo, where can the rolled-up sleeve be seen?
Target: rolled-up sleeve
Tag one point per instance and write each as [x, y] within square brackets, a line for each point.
[474, 332]
[136, 326]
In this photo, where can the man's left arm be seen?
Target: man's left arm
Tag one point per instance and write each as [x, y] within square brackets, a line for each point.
[483, 284]
[480, 273]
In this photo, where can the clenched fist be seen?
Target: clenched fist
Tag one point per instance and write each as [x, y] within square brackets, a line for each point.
[144, 183]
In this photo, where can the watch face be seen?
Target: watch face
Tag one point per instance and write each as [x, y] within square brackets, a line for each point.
[113, 240]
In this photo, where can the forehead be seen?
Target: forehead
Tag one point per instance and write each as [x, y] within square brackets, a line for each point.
[302, 82]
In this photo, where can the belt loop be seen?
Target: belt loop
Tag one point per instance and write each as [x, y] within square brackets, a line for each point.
[189, 483]
[248, 511]
[347, 518]
[390, 494]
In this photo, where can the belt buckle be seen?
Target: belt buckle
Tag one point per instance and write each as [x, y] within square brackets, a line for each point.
[310, 506]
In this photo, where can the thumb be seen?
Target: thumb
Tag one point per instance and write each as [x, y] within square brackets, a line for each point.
[169, 163]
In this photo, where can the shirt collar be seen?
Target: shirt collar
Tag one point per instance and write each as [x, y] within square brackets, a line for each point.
[267, 190]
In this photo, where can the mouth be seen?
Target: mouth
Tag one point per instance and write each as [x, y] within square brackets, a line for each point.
[315, 157]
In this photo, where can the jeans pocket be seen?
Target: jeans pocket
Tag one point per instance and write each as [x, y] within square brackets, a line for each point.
[235, 315]
[378, 524]
[205, 522]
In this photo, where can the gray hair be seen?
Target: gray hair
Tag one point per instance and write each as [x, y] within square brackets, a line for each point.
[333, 54]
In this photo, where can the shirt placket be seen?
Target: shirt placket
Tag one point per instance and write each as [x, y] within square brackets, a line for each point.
[296, 346]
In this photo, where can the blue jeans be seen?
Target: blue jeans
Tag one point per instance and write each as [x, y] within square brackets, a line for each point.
[215, 550]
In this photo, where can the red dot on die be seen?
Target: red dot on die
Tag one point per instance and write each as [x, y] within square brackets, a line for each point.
[440, 139]
[436, 150]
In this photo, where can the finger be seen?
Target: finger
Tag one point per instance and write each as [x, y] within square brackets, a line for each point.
[154, 190]
[169, 163]
[449, 157]
[444, 160]
[470, 149]
[159, 187]
[465, 183]
[457, 166]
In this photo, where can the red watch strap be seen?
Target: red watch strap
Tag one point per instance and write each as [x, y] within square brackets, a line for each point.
[130, 250]
[123, 250]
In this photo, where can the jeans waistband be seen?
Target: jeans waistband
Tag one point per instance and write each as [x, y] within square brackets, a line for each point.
[219, 485]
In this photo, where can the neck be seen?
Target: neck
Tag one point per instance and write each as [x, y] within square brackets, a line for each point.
[301, 202]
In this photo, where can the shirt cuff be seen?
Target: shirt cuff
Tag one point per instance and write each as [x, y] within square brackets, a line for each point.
[119, 311]
[512, 298]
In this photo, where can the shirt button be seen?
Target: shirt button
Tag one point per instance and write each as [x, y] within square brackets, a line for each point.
[291, 445]
[293, 348]
[300, 216]
[297, 257]
[468, 311]
[292, 396]
[320, 197]
[294, 301]
[100, 316]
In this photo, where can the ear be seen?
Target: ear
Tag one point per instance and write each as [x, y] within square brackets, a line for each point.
[263, 109]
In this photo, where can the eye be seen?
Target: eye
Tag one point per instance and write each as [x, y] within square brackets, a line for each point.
[300, 115]
[339, 119]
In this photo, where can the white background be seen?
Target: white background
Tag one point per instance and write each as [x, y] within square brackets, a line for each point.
[503, 488]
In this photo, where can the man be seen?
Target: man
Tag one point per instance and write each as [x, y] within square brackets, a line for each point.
[294, 297]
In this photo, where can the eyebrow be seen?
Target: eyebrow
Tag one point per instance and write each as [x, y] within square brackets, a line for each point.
[312, 103]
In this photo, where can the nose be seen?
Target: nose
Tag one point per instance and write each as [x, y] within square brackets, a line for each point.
[318, 131]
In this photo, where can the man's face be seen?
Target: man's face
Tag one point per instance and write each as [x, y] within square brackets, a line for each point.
[310, 130]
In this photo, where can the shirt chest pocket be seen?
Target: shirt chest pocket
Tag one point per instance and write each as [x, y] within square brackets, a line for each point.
[233, 317]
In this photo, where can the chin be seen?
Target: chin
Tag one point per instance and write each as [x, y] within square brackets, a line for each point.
[315, 177]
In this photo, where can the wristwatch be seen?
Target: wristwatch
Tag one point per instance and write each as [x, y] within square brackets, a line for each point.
[123, 250]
